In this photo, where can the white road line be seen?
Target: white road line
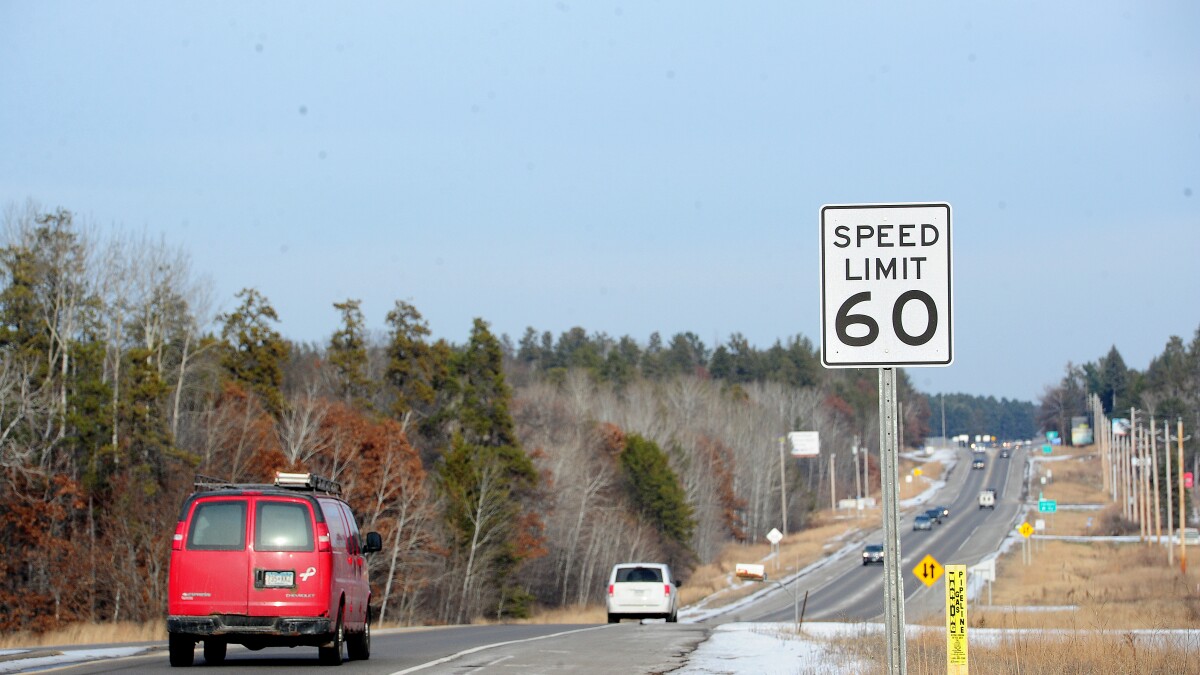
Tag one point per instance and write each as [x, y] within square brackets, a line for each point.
[480, 648]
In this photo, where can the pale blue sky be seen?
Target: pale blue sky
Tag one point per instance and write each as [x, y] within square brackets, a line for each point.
[633, 167]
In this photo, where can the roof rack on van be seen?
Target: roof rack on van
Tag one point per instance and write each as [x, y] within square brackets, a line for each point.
[203, 482]
[307, 481]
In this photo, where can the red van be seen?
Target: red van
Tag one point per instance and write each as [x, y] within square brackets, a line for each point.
[269, 566]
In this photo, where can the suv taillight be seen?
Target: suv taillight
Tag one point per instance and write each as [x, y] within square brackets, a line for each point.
[177, 540]
[323, 544]
[667, 590]
[610, 589]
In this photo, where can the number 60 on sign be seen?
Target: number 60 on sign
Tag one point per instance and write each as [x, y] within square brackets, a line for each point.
[885, 285]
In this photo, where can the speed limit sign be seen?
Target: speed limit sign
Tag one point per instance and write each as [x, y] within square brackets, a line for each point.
[885, 285]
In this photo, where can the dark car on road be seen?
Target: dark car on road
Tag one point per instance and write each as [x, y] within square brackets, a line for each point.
[873, 553]
[922, 522]
[935, 515]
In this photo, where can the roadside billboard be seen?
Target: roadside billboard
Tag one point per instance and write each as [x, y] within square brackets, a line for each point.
[805, 443]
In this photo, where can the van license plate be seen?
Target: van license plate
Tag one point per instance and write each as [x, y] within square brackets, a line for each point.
[279, 579]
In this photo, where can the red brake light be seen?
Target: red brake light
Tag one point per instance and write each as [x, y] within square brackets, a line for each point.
[177, 540]
[323, 543]
[610, 589]
[666, 589]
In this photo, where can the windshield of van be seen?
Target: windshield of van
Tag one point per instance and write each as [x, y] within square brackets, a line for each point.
[283, 526]
[218, 526]
[639, 574]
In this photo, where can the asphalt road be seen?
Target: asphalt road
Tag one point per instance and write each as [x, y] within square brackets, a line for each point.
[627, 648]
[847, 590]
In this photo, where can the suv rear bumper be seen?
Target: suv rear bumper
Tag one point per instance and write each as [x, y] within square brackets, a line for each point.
[237, 624]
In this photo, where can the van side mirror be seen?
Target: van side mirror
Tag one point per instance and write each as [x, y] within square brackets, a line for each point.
[677, 582]
[373, 543]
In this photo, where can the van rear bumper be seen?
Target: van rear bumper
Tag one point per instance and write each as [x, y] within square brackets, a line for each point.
[237, 624]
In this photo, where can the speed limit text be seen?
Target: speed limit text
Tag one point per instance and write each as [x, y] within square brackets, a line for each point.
[907, 235]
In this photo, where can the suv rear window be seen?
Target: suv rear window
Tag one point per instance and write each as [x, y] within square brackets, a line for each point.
[283, 526]
[218, 526]
[639, 574]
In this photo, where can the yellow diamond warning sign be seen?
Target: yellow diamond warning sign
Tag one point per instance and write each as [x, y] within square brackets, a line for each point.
[928, 570]
[1025, 529]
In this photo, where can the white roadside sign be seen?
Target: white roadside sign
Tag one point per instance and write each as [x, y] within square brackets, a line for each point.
[805, 443]
[885, 285]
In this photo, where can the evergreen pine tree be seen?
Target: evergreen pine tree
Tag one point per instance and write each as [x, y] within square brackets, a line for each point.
[253, 353]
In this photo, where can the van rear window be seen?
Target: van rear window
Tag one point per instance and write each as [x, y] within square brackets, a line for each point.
[630, 574]
[283, 526]
[218, 526]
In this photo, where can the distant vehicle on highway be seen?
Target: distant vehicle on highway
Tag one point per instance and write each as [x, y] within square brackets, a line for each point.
[873, 553]
[987, 499]
[935, 515]
[977, 462]
[922, 522]
[945, 511]
[639, 590]
[1004, 453]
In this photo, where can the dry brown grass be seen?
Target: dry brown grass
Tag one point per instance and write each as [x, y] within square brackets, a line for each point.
[931, 472]
[88, 633]
[1073, 481]
[1113, 586]
[588, 614]
[1034, 653]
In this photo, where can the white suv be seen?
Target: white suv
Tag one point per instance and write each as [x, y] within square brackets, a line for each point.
[642, 591]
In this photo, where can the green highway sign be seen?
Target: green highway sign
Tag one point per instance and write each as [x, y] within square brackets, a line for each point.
[1047, 506]
[1047, 449]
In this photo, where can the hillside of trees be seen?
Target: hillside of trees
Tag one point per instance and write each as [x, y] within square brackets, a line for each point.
[503, 476]
[1006, 419]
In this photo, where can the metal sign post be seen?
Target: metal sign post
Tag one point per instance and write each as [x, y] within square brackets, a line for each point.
[893, 585]
[886, 303]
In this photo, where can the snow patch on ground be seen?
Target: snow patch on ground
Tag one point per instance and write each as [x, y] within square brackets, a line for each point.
[60, 658]
[771, 648]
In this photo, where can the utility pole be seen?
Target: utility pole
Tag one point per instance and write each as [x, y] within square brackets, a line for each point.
[1182, 511]
[1170, 501]
[1154, 472]
[866, 465]
[832, 483]
[1136, 478]
[858, 496]
[942, 397]
[1127, 476]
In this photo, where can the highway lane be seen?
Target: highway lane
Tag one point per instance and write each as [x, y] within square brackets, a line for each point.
[847, 590]
[627, 648]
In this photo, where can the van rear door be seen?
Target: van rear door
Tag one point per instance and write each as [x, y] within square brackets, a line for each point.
[208, 572]
[285, 576]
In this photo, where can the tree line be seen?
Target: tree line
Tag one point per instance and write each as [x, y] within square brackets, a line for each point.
[1169, 388]
[503, 476]
[1006, 419]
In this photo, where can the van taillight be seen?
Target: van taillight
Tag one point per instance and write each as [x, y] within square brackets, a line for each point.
[666, 589]
[177, 540]
[323, 544]
[610, 589]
